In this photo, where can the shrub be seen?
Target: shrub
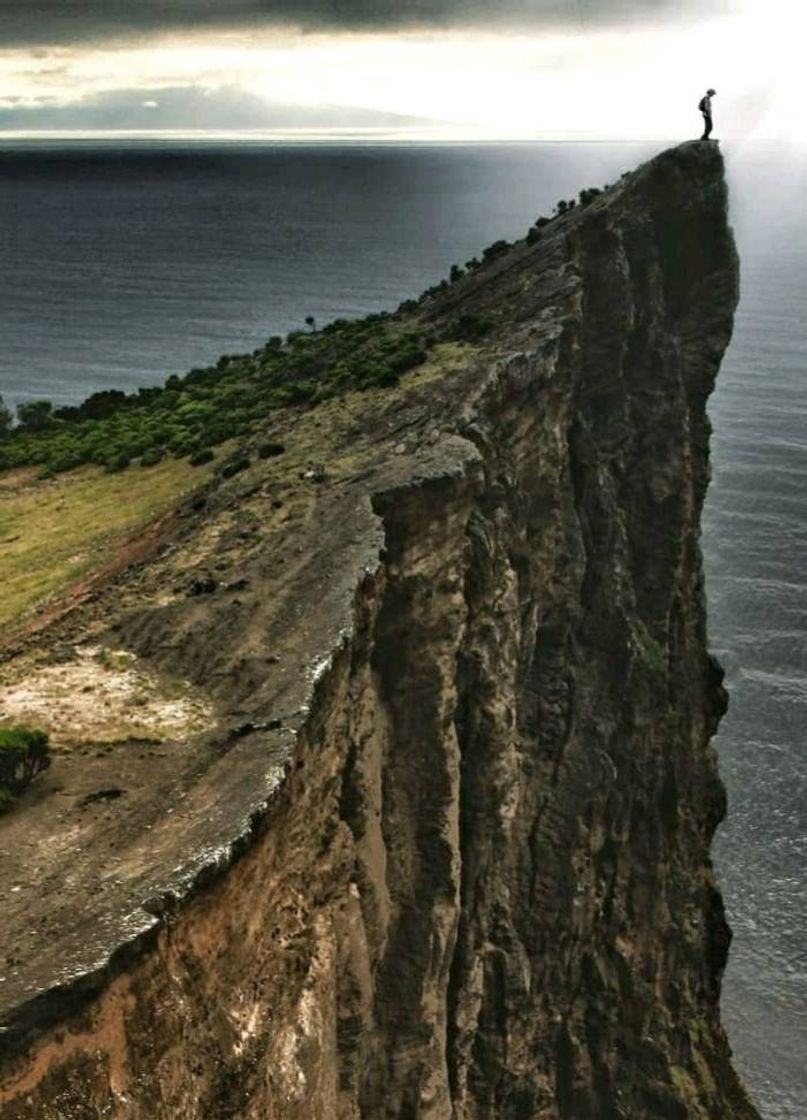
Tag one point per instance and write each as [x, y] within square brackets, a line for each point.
[35, 415]
[117, 461]
[406, 358]
[64, 459]
[301, 391]
[269, 450]
[101, 404]
[533, 235]
[201, 456]
[233, 465]
[220, 430]
[24, 753]
[375, 375]
[152, 457]
[469, 328]
[495, 250]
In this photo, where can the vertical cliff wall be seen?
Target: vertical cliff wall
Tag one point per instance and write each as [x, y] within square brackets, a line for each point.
[482, 889]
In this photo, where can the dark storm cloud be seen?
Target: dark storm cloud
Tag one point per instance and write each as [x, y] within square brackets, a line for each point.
[58, 21]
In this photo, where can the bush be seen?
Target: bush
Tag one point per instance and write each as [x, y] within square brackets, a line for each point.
[24, 753]
[375, 375]
[63, 457]
[406, 358]
[495, 250]
[300, 392]
[35, 415]
[201, 456]
[269, 450]
[234, 465]
[117, 461]
[470, 328]
[152, 457]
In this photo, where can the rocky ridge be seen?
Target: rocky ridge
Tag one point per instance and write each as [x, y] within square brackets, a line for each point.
[446, 852]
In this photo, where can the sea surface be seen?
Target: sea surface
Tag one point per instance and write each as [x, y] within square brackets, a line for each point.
[119, 266]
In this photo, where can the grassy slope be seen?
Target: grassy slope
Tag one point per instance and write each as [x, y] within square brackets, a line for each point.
[54, 531]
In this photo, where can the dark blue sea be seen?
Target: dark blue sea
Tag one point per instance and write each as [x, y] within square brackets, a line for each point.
[119, 266]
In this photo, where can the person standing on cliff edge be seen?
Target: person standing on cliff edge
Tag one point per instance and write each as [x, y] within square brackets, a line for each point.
[705, 106]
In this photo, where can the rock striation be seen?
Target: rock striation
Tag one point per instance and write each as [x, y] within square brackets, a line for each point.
[451, 860]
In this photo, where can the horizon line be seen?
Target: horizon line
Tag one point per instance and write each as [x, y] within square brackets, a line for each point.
[438, 134]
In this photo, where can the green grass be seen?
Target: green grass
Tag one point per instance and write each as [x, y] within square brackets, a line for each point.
[53, 532]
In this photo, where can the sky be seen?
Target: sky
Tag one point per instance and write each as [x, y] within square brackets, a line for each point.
[502, 69]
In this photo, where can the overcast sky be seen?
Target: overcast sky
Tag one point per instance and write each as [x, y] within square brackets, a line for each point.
[514, 68]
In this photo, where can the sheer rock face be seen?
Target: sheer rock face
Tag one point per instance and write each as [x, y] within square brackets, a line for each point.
[483, 889]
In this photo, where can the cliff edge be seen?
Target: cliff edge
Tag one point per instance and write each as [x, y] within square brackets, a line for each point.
[441, 849]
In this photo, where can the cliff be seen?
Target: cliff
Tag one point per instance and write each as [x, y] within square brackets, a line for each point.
[443, 849]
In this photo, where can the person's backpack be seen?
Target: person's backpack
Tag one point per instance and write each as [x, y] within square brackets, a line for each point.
[702, 105]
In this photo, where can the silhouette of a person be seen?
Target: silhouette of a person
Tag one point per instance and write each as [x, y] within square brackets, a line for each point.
[705, 106]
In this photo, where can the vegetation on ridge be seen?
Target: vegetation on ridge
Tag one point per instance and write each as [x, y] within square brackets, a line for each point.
[190, 415]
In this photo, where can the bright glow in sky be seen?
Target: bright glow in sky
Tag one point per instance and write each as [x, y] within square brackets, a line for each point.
[642, 83]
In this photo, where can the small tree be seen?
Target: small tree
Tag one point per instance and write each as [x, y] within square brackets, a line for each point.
[495, 250]
[311, 322]
[470, 328]
[35, 415]
[24, 753]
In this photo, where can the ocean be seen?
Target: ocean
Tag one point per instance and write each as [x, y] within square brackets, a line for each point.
[119, 266]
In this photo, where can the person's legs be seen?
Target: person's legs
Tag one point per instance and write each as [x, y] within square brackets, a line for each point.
[707, 126]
